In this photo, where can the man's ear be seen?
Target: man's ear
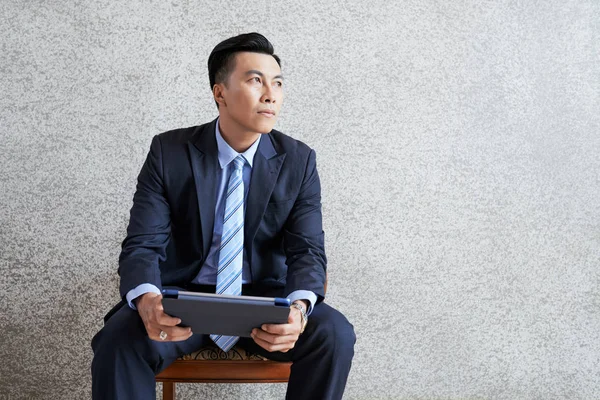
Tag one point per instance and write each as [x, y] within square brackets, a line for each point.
[218, 94]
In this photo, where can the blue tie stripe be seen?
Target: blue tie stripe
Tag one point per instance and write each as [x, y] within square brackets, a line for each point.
[224, 289]
[226, 340]
[240, 203]
[230, 342]
[229, 271]
[229, 237]
[237, 183]
[231, 254]
[232, 200]
[239, 162]
[233, 204]
[234, 207]
[232, 248]
[230, 288]
[230, 260]
[230, 275]
[232, 241]
[234, 226]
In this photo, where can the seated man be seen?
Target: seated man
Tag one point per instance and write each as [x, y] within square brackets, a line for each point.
[233, 207]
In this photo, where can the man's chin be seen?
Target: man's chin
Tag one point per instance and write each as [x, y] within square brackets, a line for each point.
[263, 127]
[257, 125]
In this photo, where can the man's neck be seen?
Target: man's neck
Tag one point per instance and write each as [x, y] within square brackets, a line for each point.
[239, 139]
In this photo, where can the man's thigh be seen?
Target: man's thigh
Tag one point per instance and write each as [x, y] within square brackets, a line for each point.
[125, 332]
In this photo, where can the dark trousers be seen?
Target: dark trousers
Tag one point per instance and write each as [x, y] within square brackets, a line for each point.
[126, 360]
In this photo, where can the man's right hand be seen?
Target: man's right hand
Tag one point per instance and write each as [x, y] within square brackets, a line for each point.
[149, 306]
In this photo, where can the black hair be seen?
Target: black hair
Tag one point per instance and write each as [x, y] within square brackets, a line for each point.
[221, 61]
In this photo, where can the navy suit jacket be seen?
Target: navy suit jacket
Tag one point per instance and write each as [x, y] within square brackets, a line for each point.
[171, 224]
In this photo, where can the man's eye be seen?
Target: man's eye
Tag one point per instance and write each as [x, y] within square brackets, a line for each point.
[280, 84]
[256, 79]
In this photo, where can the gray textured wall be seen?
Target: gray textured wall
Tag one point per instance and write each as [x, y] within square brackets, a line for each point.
[458, 149]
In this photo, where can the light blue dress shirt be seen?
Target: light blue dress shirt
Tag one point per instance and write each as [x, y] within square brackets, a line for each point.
[208, 272]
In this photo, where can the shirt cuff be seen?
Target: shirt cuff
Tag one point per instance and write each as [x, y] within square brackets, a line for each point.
[138, 291]
[304, 295]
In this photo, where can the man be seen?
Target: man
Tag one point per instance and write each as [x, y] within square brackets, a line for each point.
[234, 207]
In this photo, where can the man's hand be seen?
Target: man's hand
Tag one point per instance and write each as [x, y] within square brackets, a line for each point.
[151, 311]
[280, 337]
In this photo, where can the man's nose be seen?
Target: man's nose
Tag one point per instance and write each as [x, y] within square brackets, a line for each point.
[268, 95]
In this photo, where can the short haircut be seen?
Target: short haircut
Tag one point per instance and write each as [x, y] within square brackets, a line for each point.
[221, 61]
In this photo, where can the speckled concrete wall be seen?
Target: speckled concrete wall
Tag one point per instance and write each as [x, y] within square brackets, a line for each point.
[458, 149]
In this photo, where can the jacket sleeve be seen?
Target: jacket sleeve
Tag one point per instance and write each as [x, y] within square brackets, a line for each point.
[149, 227]
[303, 237]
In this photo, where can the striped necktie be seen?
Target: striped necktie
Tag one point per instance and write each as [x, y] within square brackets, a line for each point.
[231, 254]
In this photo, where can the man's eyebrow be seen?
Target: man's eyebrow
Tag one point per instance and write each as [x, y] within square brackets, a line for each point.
[257, 72]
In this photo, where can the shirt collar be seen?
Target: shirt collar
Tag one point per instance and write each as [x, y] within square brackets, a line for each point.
[227, 154]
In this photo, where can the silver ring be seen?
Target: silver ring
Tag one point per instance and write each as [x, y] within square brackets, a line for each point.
[162, 335]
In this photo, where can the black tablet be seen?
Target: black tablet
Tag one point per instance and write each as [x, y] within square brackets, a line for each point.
[222, 314]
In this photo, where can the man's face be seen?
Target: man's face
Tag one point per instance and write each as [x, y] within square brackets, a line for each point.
[254, 93]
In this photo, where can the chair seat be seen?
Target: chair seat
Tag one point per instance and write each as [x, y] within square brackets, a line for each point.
[212, 365]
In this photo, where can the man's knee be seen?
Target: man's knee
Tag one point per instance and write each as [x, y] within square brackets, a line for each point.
[124, 332]
[334, 330]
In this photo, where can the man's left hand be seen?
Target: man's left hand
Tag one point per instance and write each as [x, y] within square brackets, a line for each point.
[280, 337]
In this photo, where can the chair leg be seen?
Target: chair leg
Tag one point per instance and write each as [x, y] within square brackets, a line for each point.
[168, 390]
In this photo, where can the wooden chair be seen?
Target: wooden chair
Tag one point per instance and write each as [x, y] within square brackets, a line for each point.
[213, 365]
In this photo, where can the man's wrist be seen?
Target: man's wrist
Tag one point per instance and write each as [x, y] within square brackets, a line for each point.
[301, 306]
[309, 298]
[303, 303]
[138, 299]
[138, 292]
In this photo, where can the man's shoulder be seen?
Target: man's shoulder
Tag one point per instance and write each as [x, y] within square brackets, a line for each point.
[182, 135]
[287, 144]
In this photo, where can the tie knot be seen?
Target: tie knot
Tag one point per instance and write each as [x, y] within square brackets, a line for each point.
[239, 162]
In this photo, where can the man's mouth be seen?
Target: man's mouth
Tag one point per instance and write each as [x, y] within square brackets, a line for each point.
[267, 113]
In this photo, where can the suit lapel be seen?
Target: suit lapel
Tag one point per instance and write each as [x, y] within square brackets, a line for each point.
[204, 160]
[265, 171]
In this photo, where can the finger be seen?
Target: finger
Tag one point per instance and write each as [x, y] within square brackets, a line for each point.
[178, 337]
[283, 347]
[177, 332]
[273, 339]
[279, 329]
[169, 338]
[174, 334]
[294, 316]
[166, 319]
